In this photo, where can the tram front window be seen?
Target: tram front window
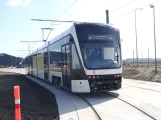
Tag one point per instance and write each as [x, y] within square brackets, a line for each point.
[100, 46]
[100, 55]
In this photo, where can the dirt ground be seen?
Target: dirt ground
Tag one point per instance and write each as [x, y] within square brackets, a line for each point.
[140, 73]
[37, 103]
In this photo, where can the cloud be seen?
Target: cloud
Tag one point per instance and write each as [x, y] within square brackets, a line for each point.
[18, 2]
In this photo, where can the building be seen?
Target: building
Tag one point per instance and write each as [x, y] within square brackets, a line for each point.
[9, 60]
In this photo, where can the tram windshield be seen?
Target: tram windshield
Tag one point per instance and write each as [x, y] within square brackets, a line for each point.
[100, 47]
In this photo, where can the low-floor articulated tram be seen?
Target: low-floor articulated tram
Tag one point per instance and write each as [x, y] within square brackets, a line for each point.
[85, 58]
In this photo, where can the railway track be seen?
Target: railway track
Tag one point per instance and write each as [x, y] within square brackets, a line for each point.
[108, 93]
[131, 105]
[116, 97]
[95, 112]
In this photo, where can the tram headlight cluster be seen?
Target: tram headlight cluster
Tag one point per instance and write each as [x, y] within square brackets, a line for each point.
[93, 77]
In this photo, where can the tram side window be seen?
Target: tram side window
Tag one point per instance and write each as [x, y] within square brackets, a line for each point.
[75, 60]
[55, 56]
[34, 61]
[55, 52]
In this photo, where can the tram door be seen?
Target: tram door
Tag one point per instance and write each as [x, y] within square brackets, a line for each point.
[66, 58]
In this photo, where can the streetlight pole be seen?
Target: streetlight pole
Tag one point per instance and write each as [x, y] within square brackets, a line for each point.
[152, 6]
[133, 58]
[29, 48]
[148, 57]
[136, 36]
[136, 40]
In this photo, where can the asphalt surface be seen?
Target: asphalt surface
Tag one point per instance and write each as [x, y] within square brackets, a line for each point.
[37, 103]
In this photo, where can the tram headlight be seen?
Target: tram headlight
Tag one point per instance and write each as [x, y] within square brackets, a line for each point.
[118, 75]
[93, 77]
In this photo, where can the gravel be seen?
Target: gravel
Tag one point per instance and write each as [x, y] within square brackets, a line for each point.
[37, 103]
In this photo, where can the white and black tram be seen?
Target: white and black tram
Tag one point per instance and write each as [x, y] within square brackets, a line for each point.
[85, 58]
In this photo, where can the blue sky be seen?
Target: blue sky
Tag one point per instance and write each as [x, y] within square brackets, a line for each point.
[16, 24]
